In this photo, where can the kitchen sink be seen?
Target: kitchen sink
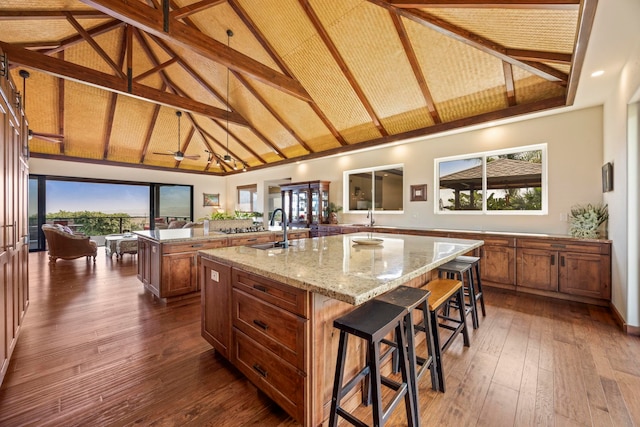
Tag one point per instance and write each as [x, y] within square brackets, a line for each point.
[270, 245]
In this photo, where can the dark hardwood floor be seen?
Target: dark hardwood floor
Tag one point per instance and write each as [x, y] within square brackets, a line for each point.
[97, 350]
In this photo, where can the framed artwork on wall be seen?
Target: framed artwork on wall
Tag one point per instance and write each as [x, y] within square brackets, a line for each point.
[419, 193]
[211, 199]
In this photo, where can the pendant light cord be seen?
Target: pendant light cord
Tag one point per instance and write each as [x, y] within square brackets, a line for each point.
[229, 35]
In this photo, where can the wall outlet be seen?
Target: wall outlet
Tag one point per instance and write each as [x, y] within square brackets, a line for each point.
[215, 276]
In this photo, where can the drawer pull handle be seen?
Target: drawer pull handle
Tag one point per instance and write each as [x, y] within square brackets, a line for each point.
[197, 245]
[260, 288]
[260, 324]
[558, 245]
[553, 260]
[259, 369]
[252, 240]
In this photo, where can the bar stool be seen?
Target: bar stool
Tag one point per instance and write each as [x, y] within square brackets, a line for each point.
[372, 321]
[442, 292]
[475, 271]
[412, 298]
[455, 269]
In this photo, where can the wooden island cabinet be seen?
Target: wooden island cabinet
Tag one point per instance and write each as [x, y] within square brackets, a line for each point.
[270, 312]
[168, 260]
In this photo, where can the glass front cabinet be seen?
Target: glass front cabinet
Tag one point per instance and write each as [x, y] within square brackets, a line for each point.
[306, 204]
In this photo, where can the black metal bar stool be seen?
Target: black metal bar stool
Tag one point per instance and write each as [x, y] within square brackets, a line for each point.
[442, 292]
[372, 321]
[457, 270]
[475, 272]
[412, 298]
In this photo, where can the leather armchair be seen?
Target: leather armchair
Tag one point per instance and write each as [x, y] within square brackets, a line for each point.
[65, 245]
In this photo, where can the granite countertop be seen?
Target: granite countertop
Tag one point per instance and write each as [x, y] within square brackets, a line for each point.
[337, 267]
[176, 235]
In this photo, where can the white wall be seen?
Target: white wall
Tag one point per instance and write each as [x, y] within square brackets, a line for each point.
[619, 144]
[201, 183]
[573, 138]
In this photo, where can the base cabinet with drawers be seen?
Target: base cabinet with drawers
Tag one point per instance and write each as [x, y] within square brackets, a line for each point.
[261, 326]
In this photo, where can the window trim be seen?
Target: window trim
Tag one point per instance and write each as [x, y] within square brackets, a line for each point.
[483, 156]
[372, 170]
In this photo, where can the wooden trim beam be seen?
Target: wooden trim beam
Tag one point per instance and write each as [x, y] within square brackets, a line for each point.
[152, 124]
[587, 16]
[151, 21]
[93, 32]
[478, 4]
[509, 83]
[155, 69]
[22, 15]
[95, 78]
[61, 105]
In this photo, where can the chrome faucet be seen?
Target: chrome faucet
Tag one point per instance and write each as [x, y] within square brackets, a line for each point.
[370, 217]
[285, 241]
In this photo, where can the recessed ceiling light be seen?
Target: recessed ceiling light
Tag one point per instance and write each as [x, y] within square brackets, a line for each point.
[597, 73]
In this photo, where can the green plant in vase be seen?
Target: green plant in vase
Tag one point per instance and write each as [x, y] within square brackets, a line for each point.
[585, 220]
[333, 210]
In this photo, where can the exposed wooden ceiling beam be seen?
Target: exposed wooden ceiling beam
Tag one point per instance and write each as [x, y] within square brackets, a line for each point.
[93, 32]
[415, 66]
[61, 86]
[539, 56]
[151, 21]
[244, 16]
[324, 36]
[111, 109]
[193, 73]
[471, 39]
[152, 125]
[477, 4]
[273, 112]
[185, 146]
[99, 50]
[111, 83]
[183, 12]
[155, 69]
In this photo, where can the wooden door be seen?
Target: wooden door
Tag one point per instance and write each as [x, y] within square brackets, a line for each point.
[537, 268]
[179, 274]
[498, 264]
[585, 274]
[215, 281]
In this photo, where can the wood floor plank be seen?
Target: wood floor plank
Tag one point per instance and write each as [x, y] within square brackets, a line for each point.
[98, 350]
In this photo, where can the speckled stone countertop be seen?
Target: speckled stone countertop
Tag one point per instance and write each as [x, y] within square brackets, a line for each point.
[337, 267]
[177, 235]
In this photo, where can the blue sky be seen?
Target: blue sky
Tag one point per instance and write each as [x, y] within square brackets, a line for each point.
[94, 197]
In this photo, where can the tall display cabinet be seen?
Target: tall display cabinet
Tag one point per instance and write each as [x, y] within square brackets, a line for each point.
[306, 204]
[14, 233]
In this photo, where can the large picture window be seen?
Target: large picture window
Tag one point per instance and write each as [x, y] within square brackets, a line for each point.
[379, 189]
[505, 181]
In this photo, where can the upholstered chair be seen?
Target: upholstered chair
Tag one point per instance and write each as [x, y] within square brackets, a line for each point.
[66, 245]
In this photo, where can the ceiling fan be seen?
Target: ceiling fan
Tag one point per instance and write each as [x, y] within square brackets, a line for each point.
[179, 155]
[49, 137]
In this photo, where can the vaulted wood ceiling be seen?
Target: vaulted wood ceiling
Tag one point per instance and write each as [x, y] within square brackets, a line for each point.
[297, 79]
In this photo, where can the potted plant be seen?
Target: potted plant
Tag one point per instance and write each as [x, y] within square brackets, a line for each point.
[585, 221]
[333, 210]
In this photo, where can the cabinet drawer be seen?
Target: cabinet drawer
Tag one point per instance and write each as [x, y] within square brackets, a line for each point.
[278, 330]
[565, 245]
[294, 235]
[283, 296]
[276, 378]
[172, 248]
[250, 240]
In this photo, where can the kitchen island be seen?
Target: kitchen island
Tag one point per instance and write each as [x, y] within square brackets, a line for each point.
[270, 311]
[168, 261]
